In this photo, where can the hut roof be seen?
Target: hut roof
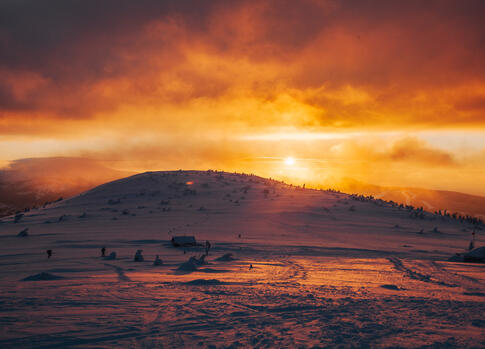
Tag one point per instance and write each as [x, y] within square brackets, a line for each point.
[183, 241]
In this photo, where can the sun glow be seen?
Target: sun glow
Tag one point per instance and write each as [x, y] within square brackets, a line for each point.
[289, 161]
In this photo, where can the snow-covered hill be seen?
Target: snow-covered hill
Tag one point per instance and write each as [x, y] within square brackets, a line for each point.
[327, 269]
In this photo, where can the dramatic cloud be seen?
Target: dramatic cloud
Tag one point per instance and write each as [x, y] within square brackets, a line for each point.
[178, 84]
[358, 63]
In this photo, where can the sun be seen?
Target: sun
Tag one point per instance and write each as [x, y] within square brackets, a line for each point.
[289, 161]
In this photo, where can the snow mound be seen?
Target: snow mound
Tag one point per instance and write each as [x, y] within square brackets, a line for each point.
[456, 258]
[201, 260]
[226, 258]
[193, 263]
[204, 282]
[111, 256]
[479, 294]
[391, 287]
[157, 261]
[476, 255]
[23, 233]
[42, 277]
[190, 265]
[138, 256]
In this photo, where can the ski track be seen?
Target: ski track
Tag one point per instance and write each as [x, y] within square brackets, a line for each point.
[251, 316]
[416, 275]
[119, 271]
[463, 280]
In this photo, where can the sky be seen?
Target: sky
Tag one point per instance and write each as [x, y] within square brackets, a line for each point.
[384, 92]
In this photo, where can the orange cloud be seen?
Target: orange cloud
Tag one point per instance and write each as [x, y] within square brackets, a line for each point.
[386, 66]
[168, 84]
[413, 150]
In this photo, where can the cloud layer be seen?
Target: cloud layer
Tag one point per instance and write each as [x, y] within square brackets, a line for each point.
[152, 84]
[352, 64]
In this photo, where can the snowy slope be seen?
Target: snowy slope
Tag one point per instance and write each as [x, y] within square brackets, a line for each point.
[327, 269]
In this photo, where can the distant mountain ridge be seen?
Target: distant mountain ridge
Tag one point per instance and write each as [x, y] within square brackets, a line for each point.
[431, 200]
[30, 183]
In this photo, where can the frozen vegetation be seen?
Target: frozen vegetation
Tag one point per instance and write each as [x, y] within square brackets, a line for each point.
[287, 267]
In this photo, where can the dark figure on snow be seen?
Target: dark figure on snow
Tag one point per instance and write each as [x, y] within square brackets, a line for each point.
[472, 243]
[103, 251]
[49, 253]
[207, 247]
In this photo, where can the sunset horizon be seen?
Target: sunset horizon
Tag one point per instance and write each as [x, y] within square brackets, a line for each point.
[386, 93]
[242, 174]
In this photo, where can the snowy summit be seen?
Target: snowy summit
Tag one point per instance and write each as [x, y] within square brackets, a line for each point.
[269, 265]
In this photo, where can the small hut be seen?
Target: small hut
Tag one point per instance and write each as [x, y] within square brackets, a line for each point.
[475, 256]
[182, 241]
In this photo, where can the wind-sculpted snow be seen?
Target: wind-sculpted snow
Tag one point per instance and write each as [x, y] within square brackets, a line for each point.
[42, 277]
[287, 267]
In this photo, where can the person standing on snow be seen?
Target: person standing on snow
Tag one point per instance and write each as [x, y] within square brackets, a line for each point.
[207, 247]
